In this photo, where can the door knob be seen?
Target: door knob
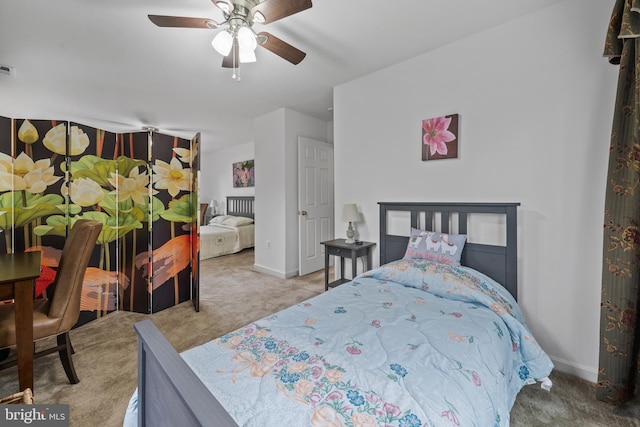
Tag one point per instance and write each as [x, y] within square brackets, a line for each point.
[302, 212]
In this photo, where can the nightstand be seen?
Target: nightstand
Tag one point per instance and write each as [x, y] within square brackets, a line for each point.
[344, 250]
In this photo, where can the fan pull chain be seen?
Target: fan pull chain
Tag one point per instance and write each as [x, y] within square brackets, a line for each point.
[236, 68]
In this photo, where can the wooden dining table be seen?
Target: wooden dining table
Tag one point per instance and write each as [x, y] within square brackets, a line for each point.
[18, 274]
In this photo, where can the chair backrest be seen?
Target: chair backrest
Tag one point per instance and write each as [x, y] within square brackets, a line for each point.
[203, 212]
[65, 302]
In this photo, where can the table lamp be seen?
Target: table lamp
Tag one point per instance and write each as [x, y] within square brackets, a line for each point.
[350, 214]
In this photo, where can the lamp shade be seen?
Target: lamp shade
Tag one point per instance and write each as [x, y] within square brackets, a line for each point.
[246, 39]
[247, 55]
[350, 213]
[222, 43]
[224, 6]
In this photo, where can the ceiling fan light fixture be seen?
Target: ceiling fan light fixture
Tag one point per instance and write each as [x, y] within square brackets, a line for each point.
[246, 55]
[259, 17]
[224, 6]
[246, 39]
[222, 43]
[236, 36]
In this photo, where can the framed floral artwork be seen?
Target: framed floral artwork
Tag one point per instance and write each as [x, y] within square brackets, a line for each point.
[243, 174]
[440, 138]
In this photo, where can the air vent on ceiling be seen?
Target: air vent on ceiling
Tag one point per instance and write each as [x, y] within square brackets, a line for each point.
[5, 70]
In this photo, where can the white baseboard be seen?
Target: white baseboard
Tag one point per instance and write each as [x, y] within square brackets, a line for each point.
[269, 271]
[580, 371]
[276, 273]
[293, 273]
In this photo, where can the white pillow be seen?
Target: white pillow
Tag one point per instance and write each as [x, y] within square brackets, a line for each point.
[236, 221]
[219, 219]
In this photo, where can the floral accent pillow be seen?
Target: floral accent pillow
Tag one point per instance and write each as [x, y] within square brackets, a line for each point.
[439, 247]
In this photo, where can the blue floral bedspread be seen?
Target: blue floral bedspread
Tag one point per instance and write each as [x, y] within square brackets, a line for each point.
[413, 343]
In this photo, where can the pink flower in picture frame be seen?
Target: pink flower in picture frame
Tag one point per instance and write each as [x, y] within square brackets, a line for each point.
[243, 174]
[439, 137]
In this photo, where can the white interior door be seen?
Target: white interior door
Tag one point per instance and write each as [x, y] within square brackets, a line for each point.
[315, 202]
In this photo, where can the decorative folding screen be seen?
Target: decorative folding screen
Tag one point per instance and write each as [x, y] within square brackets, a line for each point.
[140, 186]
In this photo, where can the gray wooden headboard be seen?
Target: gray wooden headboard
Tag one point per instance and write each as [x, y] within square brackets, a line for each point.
[498, 262]
[240, 206]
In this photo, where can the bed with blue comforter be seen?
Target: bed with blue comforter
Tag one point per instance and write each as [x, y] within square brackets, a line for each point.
[412, 343]
[427, 339]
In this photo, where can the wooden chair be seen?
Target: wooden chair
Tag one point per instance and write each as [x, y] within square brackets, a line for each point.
[203, 213]
[56, 316]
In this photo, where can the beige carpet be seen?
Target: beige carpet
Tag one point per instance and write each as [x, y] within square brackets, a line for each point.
[233, 295]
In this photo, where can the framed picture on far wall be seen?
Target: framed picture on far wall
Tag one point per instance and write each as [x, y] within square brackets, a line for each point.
[243, 174]
[440, 138]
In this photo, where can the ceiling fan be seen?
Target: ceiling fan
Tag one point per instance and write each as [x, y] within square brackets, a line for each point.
[237, 41]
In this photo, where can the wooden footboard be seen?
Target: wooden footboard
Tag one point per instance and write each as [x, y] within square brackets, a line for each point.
[169, 392]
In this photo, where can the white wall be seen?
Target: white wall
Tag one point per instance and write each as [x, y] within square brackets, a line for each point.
[276, 203]
[535, 99]
[270, 199]
[296, 125]
[216, 177]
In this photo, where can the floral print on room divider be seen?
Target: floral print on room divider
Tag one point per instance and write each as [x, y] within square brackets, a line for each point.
[138, 185]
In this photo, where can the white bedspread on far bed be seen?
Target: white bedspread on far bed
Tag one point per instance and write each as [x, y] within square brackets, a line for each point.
[220, 239]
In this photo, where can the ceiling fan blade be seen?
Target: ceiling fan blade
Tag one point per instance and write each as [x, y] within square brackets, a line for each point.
[272, 10]
[232, 59]
[182, 22]
[280, 47]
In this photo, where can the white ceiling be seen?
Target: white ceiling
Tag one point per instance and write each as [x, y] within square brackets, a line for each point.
[103, 63]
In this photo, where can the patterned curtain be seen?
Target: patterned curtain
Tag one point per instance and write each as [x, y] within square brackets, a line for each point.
[618, 374]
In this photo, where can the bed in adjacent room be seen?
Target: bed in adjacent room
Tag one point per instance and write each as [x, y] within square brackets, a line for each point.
[430, 338]
[230, 233]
